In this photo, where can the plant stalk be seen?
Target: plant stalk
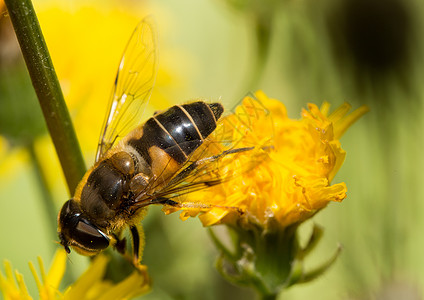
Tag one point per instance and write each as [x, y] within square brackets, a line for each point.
[46, 196]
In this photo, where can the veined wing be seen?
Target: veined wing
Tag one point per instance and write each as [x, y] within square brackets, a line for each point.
[133, 86]
[237, 145]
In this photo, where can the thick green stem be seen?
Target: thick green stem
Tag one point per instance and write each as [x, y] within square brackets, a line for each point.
[48, 90]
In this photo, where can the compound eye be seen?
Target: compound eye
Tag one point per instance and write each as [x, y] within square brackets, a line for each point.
[90, 236]
[77, 231]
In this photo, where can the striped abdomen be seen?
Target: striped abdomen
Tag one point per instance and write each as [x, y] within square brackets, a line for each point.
[165, 143]
[177, 132]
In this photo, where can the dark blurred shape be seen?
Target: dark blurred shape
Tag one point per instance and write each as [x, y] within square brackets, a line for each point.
[377, 33]
[375, 40]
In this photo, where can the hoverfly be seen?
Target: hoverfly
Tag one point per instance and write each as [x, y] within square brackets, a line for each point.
[173, 153]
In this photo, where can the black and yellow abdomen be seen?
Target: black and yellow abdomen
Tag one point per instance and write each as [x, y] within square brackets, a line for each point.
[177, 132]
[146, 160]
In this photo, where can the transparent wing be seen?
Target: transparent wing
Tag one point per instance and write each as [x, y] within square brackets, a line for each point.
[238, 144]
[133, 86]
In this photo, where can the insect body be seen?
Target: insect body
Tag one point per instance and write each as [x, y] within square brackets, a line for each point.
[113, 192]
[173, 153]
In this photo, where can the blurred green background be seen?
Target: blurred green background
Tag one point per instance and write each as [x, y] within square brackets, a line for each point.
[363, 52]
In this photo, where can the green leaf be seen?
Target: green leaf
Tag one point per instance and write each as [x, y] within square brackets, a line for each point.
[304, 277]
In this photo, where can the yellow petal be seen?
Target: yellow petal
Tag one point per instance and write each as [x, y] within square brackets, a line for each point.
[87, 280]
[132, 286]
[343, 124]
[57, 269]
[22, 287]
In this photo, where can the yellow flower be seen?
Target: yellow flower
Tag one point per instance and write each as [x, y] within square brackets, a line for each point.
[277, 185]
[89, 286]
[294, 181]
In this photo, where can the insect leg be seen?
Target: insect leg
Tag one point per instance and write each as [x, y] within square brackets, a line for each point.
[120, 244]
[136, 241]
[196, 205]
[226, 152]
[137, 234]
[191, 167]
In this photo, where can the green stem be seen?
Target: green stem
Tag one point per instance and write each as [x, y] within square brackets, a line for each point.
[46, 196]
[269, 297]
[263, 26]
[262, 32]
[47, 88]
[220, 245]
